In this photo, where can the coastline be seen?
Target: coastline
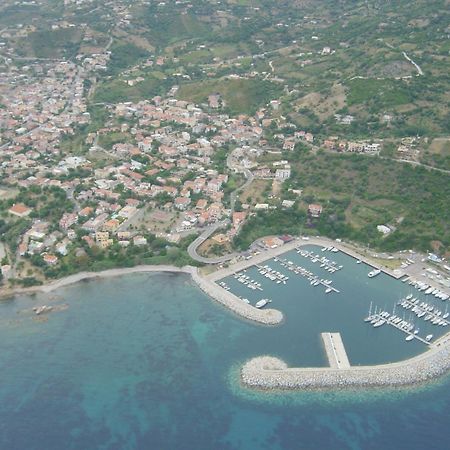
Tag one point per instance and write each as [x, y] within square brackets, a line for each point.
[212, 290]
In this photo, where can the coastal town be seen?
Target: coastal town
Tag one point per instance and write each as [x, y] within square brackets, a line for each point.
[160, 169]
[224, 224]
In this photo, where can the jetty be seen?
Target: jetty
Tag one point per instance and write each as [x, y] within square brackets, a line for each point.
[335, 350]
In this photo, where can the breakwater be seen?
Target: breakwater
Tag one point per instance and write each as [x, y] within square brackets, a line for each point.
[267, 372]
[235, 304]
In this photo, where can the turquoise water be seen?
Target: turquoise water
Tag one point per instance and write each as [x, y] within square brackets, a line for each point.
[147, 361]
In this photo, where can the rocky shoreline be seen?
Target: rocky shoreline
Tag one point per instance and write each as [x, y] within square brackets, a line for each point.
[227, 299]
[270, 373]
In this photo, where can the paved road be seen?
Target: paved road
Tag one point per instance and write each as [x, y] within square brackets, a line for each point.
[237, 168]
[192, 249]
[209, 231]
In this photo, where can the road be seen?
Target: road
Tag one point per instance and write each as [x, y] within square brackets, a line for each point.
[192, 249]
[416, 163]
[419, 70]
[232, 164]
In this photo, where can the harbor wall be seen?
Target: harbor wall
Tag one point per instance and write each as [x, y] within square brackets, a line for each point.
[235, 304]
[269, 373]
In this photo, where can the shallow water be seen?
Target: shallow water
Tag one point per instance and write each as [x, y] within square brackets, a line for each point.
[147, 361]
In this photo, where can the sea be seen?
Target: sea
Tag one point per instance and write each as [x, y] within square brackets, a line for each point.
[147, 361]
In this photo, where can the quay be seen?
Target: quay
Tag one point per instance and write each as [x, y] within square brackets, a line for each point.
[294, 245]
[335, 350]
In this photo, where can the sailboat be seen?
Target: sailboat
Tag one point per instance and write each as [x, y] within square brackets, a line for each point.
[369, 317]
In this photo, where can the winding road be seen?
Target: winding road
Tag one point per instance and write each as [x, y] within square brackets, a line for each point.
[233, 165]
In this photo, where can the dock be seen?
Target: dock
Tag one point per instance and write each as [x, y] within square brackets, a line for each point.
[335, 350]
[399, 326]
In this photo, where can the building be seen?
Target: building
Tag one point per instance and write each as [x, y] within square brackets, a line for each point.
[283, 174]
[50, 259]
[315, 210]
[19, 210]
[67, 220]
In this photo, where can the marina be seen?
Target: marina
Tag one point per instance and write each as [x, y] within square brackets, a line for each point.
[300, 283]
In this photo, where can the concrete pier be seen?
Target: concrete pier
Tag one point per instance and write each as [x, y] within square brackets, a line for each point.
[335, 350]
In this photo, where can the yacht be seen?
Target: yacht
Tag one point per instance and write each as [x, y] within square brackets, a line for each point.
[328, 290]
[374, 273]
[379, 323]
[429, 337]
[410, 337]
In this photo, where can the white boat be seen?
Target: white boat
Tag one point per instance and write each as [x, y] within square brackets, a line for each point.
[246, 300]
[379, 323]
[429, 337]
[261, 303]
[374, 273]
[328, 290]
[358, 261]
[410, 337]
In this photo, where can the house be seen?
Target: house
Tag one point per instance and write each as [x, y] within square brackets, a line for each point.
[315, 210]
[67, 220]
[50, 259]
[201, 204]
[383, 229]
[220, 238]
[272, 242]
[182, 203]
[101, 236]
[85, 212]
[283, 174]
[287, 203]
[238, 218]
[139, 241]
[111, 225]
[19, 210]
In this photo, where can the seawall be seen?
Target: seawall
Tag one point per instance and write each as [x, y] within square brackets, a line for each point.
[268, 373]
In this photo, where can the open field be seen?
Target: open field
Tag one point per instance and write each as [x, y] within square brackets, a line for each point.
[240, 96]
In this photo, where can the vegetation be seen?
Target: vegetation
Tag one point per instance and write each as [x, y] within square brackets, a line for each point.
[359, 193]
[240, 96]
